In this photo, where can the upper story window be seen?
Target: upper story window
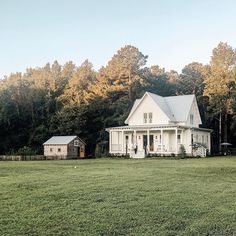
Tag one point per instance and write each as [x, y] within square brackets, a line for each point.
[191, 119]
[147, 118]
[59, 150]
[144, 118]
[150, 117]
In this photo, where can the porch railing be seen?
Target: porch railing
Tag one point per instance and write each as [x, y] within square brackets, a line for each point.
[116, 147]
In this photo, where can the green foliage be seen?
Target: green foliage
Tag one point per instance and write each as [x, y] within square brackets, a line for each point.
[182, 151]
[68, 99]
[23, 151]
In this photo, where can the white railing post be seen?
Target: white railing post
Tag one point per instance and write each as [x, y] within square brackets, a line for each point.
[161, 141]
[176, 137]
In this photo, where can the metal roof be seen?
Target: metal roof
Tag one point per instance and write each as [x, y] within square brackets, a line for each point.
[60, 140]
[180, 106]
[176, 108]
[163, 104]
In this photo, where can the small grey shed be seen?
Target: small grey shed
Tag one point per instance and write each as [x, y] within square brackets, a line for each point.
[64, 147]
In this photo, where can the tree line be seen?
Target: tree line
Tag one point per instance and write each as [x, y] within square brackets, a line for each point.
[68, 99]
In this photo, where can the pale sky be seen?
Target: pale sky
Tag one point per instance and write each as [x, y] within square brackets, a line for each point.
[172, 33]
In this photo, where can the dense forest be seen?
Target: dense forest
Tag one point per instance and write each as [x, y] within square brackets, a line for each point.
[77, 100]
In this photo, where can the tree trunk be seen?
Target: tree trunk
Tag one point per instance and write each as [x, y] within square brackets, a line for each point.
[220, 133]
[225, 128]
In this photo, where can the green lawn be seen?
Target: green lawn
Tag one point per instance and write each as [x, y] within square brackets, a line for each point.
[119, 197]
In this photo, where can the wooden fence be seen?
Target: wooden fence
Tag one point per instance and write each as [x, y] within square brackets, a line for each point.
[22, 158]
[34, 158]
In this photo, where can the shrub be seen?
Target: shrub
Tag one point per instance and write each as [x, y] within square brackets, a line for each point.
[25, 151]
[182, 151]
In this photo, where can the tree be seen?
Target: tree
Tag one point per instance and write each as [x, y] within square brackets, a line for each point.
[124, 67]
[191, 79]
[75, 91]
[191, 82]
[218, 84]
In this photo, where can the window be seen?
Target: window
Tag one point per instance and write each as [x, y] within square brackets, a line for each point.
[196, 138]
[144, 118]
[50, 149]
[203, 141]
[191, 119]
[76, 143]
[150, 117]
[59, 150]
[207, 139]
[147, 117]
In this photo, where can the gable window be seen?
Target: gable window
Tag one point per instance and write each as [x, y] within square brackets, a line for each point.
[144, 118]
[191, 119]
[76, 143]
[150, 117]
[147, 118]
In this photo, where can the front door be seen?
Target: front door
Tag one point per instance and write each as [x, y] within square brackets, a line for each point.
[151, 143]
[145, 143]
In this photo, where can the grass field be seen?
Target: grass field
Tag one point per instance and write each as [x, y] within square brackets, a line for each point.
[119, 197]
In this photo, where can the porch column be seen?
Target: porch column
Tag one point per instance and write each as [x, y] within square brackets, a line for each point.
[135, 137]
[122, 140]
[161, 140]
[148, 141]
[110, 133]
[176, 137]
[182, 133]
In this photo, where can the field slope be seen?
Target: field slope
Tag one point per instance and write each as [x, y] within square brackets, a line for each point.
[119, 197]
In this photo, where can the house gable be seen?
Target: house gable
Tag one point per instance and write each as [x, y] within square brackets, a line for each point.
[194, 118]
[181, 110]
[143, 106]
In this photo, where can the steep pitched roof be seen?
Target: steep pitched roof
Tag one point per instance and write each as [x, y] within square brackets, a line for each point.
[176, 108]
[162, 103]
[180, 106]
[60, 140]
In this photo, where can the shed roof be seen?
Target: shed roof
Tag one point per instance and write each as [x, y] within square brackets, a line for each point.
[60, 140]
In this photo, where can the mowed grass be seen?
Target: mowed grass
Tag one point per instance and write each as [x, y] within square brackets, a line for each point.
[119, 197]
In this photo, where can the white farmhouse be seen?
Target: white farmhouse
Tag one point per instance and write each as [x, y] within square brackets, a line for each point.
[160, 125]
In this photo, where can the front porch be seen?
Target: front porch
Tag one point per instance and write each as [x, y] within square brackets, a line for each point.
[141, 141]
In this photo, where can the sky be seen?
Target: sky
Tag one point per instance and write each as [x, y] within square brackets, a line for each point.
[173, 33]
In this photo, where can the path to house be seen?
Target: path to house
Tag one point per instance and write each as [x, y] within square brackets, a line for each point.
[119, 197]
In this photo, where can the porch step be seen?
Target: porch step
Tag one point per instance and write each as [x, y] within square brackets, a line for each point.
[139, 154]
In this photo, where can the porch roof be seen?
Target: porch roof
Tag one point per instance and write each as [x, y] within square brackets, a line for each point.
[152, 127]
